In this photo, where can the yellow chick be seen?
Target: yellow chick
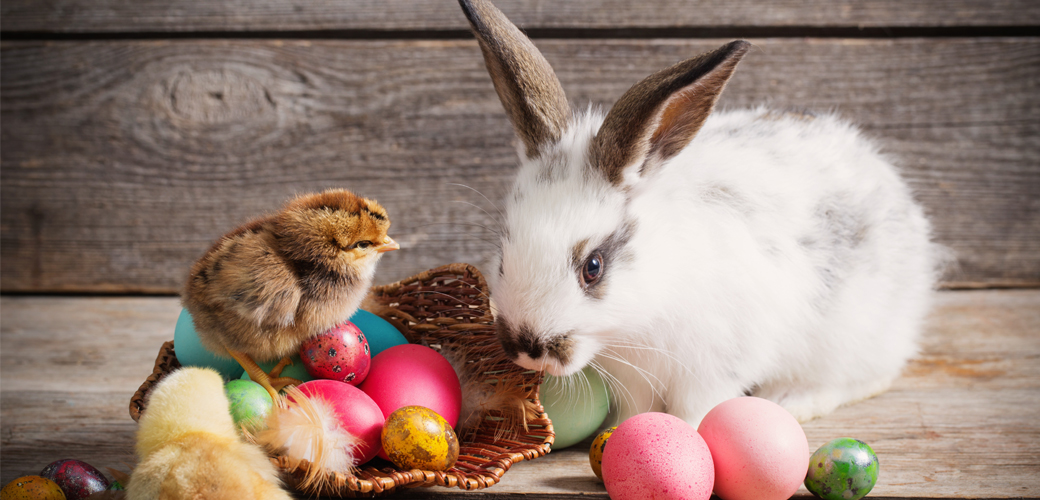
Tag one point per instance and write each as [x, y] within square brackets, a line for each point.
[271, 284]
[188, 448]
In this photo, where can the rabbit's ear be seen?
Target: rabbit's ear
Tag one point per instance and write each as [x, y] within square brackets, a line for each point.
[659, 116]
[526, 84]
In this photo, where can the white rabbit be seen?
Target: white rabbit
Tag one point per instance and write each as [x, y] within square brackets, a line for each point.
[697, 258]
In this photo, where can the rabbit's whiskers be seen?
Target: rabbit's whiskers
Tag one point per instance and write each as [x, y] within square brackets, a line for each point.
[462, 237]
[612, 355]
[620, 344]
[501, 215]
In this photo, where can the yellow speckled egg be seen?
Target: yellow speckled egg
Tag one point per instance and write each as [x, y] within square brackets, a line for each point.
[416, 437]
[32, 488]
[596, 451]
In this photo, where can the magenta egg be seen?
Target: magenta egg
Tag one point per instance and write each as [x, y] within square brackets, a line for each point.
[759, 449]
[77, 479]
[341, 353]
[656, 455]
[414, 375]
[356, 412]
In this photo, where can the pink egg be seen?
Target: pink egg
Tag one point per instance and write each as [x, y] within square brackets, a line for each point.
[341, 353]
[759, 449]
[357, 413]
[656, 455]
[414, 375]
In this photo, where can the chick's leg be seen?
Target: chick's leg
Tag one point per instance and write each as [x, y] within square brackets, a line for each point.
[277, 370]
[258, 375]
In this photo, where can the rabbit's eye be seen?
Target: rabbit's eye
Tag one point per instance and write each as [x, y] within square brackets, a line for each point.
[592, 270]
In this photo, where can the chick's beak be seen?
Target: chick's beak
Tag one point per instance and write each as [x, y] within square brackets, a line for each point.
[388, 245]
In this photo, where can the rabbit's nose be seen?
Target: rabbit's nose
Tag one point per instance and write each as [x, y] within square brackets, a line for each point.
[517, 341]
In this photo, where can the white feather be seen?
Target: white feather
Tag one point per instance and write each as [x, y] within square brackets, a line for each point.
[305, 428]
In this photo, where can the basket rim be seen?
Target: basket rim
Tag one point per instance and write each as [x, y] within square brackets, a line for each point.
[485, 461]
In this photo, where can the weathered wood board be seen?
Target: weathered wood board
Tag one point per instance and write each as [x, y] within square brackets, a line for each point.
[960, 423]
[111, 16]
[123, 160]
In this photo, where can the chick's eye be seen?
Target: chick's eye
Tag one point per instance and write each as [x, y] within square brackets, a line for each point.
[363, 244]
[592, 270]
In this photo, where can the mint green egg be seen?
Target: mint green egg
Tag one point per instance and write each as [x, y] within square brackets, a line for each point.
[380, 334]
[576, 404]
[296, 370]
[843, 469]
[249, 403]
[190, 351]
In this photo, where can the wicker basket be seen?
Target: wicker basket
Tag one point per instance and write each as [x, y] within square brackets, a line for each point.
[444, 308]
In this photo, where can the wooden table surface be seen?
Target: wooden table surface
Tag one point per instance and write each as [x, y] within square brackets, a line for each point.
[963, 422]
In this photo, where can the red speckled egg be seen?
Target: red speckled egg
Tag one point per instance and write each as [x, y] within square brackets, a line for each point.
[657, 455]
[77, 479]
[759, 449]
[341, 353]
[356, 412]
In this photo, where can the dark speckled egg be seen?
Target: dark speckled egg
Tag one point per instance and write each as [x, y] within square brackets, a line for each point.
[416, 437]
[596, 451]
[32, 488]
[341, 353]
[77, 479]
[843, 469]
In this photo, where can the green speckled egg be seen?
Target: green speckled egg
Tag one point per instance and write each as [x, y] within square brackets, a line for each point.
[843, 469]
[249, 403]
[596, 451]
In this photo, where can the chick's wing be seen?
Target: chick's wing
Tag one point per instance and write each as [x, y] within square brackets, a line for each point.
[253, 281]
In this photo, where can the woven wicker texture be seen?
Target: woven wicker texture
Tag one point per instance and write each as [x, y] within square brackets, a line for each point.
[446, 308]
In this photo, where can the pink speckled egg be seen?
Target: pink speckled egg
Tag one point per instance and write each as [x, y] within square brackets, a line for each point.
[341, 353]
[357, 413]
[656, 455]
[759, 449]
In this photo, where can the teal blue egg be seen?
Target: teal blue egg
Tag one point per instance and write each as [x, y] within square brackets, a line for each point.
[296, 370]
[380, 334]
[249, 403]
[190, 351]
[843, 469]
[576, 404]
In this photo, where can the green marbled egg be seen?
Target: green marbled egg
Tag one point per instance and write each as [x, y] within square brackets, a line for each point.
[843, 469]
[249, 403]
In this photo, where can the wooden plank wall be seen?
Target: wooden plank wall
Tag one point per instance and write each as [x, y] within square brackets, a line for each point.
[135, 133]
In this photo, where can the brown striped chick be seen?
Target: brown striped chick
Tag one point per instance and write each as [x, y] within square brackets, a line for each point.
[269, 285]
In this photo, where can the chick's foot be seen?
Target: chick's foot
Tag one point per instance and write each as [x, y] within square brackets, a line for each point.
[272, 383]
